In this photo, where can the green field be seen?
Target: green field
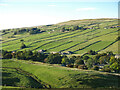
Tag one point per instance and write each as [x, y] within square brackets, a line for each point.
[55, 76]
[78, 41]
[98, 36]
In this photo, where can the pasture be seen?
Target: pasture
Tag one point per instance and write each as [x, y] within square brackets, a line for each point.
[54, 76]
[78, 41]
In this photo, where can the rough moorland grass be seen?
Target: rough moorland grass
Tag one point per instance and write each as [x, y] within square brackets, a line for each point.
[62, 77]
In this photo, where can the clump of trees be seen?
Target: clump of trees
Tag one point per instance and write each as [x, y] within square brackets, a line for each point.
[6, 54]
[34, 31]
[91, 52]
[72, 28]
[29, 30]
[53, 59]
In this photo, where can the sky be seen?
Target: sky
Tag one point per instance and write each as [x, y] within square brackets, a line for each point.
[26, 13]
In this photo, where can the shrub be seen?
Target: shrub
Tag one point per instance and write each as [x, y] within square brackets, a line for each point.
[53, 59]
[75, 66]
[96, 68]
[85, 58]
[81, 67]
[91, 52]
[71, 66]
[79, 62]
[23, 46]
[106, 70]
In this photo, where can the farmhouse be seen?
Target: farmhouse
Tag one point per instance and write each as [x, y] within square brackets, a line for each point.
[41, 51]
[101, 66]
[54, 52]
[69, 52]
[117, 56]
[105, 27]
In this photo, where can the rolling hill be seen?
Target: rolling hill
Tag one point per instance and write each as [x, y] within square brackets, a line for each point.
[91, 34]
[72, 38]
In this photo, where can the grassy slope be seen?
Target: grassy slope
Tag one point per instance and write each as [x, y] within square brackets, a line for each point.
[12, 77]
[77, 41]
[62, 77]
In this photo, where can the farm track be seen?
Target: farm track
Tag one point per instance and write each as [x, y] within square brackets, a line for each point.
[30, 75]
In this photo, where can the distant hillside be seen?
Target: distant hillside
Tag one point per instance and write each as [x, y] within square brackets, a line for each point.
[76, 36]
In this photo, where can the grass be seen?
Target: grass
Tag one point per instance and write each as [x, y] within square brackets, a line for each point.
[29, 74]
[12, 77]
[62, 77]
[59, 40]
[75, 36]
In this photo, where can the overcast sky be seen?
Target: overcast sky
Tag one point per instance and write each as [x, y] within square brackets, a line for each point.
[25, 13]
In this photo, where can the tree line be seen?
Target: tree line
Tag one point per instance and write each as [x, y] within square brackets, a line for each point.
[111, 64]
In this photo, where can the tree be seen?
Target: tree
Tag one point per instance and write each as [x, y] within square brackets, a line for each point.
[115, 64]
[6, 54]
[76, 27]
[102, 60]
[28, 54]
[22, 40]
[15, 33]
[96, 68]
[65, 60]
[116, 67]
[118, 38]
[112, 60]
[63, 29]
[90, 63]
[22, 46]
[79, 62]
[53, 59]
[85, 58]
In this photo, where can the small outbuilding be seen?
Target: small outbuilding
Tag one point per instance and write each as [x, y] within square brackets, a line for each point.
[117, 56]
[41, 51]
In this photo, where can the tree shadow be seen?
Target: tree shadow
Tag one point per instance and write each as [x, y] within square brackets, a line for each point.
[10, 81]
[102, 81]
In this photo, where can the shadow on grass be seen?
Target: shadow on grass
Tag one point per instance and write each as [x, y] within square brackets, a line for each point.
[8, 79]
[102, 81]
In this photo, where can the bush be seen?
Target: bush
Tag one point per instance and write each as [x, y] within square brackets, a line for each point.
[82, 67]
[71, 66]
[75, 66]
[91, 52]
[6, 54]
[106, 70]
[96, 68]
[79, 62]
[118, 38]
[53, 59]
[85, 58]
[23, 46]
